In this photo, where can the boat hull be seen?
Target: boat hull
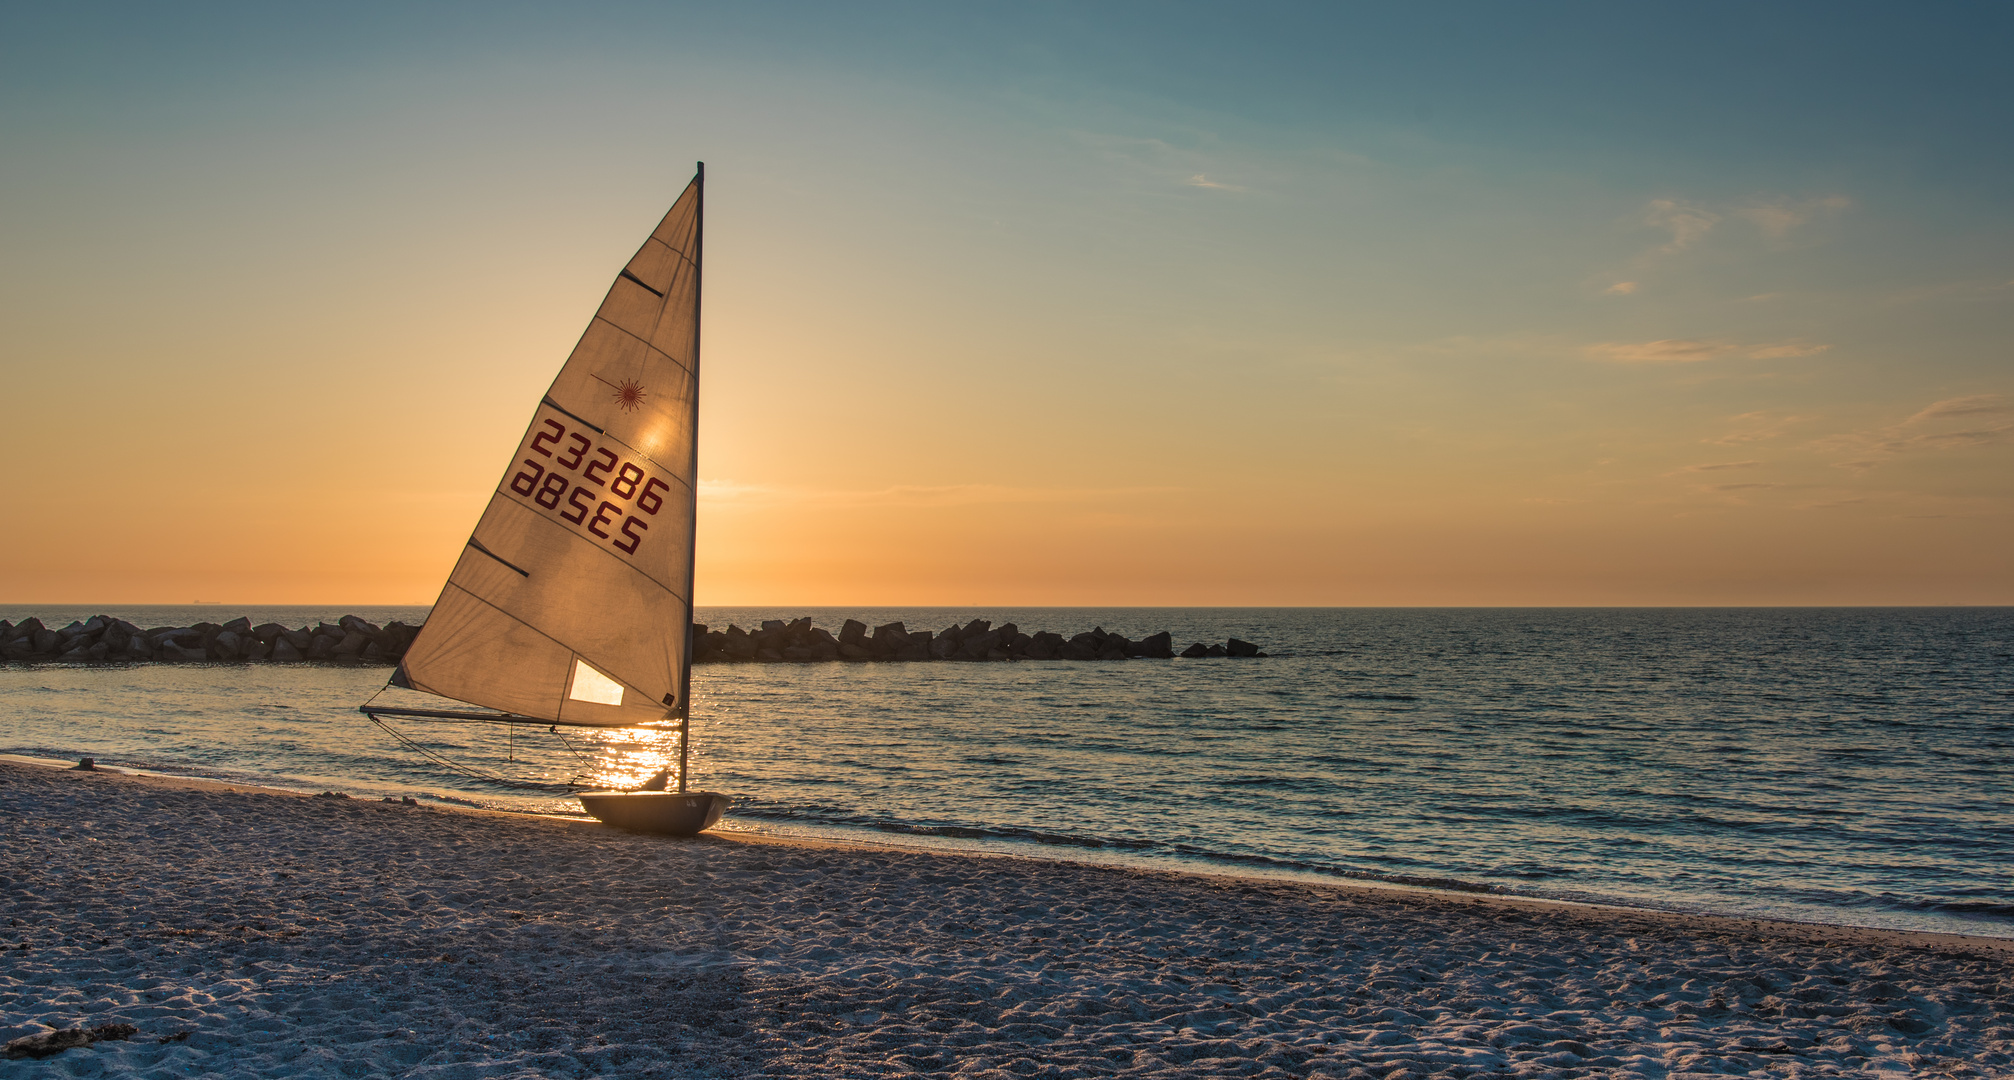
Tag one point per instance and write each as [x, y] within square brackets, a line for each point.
[660, 813]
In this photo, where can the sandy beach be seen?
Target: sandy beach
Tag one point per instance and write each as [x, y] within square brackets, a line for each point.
[253, 933]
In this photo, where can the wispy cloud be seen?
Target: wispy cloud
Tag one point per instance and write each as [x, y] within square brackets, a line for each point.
[1752, 427]
[1970, 405]
[1663, 351]
[1687, 224]
[1716, 467]
[1925, 430]
[1784, 352]
[1778, 217]
[1201, 181]
[1742, 487]
[1621, 288]
[1693, 351]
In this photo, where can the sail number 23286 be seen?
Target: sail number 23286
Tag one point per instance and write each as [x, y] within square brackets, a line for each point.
[560, 483]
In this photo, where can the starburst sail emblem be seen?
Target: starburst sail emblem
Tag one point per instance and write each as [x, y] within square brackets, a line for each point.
[629, 393]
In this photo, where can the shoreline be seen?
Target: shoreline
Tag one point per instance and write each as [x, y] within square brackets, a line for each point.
[951, 848]
[291, 934]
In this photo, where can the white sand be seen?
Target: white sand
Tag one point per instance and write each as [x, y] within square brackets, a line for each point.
[329, 937]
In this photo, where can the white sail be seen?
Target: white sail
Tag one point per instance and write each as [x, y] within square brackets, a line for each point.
[572, 601]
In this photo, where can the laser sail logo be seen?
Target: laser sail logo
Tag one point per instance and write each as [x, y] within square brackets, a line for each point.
[628, 393]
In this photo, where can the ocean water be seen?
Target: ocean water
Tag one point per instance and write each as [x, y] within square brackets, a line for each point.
[1838, 765]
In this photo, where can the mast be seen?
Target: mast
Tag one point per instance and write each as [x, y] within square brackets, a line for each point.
[692, 539]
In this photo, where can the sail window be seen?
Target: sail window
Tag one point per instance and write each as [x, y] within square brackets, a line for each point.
[592, 685]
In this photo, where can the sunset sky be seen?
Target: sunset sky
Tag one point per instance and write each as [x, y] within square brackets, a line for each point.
[1030, 304]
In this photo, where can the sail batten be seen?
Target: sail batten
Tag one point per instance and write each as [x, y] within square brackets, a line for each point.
[572, 600]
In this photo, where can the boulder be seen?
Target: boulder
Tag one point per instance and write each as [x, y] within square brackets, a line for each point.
[74, 655]
[352, 645]
[1155, 646]
[976, 626]
[301, 639]
[284, 650]
[774, 625]
[323, 647]
[739, 645]
[268, 632]
[855, 651]
[1241, 648]
[239, 626]
[893, 636]
[769, 656]
[852, 632]
[1077, 650]
[28, 627]
[825, 649]
[256, 649]
[6, 630]
[139, 648]
[977, 646]
[173, 653]
[17, 651]
[945, 645]
[798, 628]
[1196, 651]
[1216, 650]
[225, 646]
[45, 641]
[97, 652]
[355, 625]
[96, 624]
[1042, 645]
[799, 654]
[372, 654]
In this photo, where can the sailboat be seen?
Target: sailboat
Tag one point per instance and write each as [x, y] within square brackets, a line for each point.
[571, 603]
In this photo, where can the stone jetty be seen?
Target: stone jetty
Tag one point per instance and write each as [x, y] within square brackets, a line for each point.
[102, 639]
[351, 640]
[797, 641]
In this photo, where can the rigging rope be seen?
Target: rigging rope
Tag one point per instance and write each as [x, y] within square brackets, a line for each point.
[467, 770]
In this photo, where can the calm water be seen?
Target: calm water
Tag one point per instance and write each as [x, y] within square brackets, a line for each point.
[1839, 765]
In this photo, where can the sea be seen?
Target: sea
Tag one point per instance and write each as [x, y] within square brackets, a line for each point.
[1847, 766]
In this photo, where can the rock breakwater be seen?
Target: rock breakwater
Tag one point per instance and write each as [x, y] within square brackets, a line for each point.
[798, 641]
[103, 639]
[352, 640]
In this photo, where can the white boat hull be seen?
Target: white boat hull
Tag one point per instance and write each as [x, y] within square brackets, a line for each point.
[661, 813]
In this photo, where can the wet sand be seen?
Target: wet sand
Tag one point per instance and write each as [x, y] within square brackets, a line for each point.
[269, 934]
